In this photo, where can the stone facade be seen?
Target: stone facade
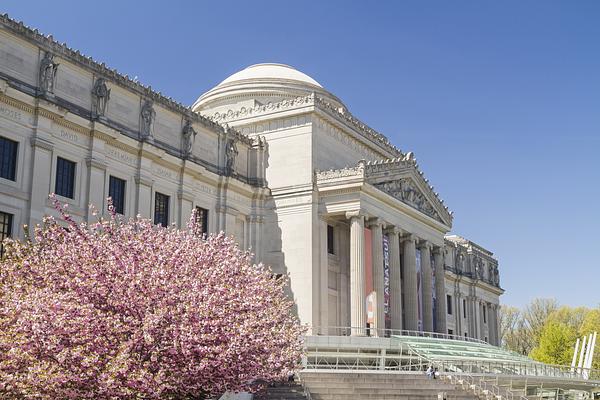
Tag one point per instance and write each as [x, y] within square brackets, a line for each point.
[274, 159]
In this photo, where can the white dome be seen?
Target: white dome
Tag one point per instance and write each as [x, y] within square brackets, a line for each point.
[270, 71]
[261, 84]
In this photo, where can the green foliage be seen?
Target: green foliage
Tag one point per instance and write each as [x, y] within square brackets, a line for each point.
[547, 332]
[555, 344]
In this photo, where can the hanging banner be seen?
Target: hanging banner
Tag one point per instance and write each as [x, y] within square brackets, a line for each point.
[419, 293]
[386, 282]
[434, 302]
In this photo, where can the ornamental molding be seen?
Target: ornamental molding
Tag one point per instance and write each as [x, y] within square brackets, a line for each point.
[332, 174]
[261, 109]
[341, 114]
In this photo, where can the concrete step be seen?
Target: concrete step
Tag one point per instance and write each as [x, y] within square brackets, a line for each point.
[282, 391]
[380, 386]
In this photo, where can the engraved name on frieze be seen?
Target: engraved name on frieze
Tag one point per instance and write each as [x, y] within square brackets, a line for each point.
[162, 171]
[69, 136]
[120, 155]
[205, 189]
[12, 114]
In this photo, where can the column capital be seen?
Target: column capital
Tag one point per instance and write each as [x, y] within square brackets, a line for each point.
[374, 222]
[422, 244]
[393, 230]
[409, 237]
[355, 214]
[438, 250]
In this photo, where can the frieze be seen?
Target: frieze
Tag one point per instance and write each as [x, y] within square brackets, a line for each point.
[331, 174]
[261, 109]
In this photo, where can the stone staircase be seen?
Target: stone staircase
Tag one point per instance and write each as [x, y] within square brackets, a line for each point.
[338, 385]
[282, 391]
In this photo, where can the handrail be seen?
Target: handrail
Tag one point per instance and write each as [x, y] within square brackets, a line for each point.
[527, 367]
[380, 332]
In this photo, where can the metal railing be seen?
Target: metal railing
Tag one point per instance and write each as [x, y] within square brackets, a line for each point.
[400, 356]
[480, 386]
[533, 368]
[385, 333]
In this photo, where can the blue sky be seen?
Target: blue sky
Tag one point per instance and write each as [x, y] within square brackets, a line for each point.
[500, 101]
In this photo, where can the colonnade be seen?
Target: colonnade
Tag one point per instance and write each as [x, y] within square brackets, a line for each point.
[410, 243]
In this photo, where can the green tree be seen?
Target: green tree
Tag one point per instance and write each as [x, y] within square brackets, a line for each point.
[555, 344]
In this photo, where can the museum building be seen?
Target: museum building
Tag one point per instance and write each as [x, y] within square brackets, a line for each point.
[268, 156]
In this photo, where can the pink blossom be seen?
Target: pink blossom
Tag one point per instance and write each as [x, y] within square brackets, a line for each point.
[123, 309]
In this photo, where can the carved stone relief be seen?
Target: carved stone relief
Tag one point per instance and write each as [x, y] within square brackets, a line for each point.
[406, 191]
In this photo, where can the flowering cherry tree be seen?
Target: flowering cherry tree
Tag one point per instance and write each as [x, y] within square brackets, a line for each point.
[124, 309]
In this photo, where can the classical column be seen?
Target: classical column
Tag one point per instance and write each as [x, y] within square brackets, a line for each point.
[358, 307]
[377, 256]
[411, 313]
[440, 292]
[425, 248]
[395, 279]
[323, 287]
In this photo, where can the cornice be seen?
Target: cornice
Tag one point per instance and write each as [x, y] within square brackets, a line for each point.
[48, 43]
[340, 114]
[377, 169]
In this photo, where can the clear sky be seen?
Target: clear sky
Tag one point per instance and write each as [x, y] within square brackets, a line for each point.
[500, 101]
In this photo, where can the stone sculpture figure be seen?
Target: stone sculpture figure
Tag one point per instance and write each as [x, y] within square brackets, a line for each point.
[189, 135]
[100, 97]
[147, 115]
[48, 73]
[231, 153]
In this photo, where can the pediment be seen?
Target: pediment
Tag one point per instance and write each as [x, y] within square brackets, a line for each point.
[408, 191]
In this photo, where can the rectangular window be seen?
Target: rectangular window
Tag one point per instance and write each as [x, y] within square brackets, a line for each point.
[484, 315]
[450, 332]
[8, 158]
[5, 229]
[449, 304]
[65, 178]
[202, 219]
[116, 191]
[466, 334]
[330, 247]
[161, 209]
[464, 308]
